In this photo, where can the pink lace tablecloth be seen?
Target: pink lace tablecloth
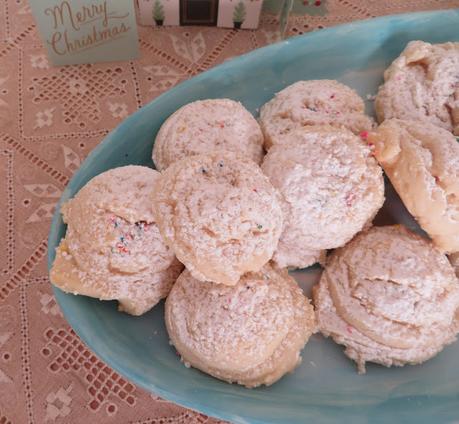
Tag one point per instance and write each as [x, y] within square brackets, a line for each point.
[50, 119]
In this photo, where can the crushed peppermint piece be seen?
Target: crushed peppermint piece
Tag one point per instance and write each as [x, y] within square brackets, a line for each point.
[350, 198]
[364, 135]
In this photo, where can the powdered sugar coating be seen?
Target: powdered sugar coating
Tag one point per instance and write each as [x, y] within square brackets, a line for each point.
[207, 125]
[422, 84]
[250, 333]
[220, 214]
[113, 248]
[315, 102]
[331, 185]
[422, 162]
[390, 297]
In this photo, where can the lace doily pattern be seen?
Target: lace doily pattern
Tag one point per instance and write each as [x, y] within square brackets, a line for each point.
[50, 119]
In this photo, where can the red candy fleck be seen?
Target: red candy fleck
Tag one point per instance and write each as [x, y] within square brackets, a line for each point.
[332, 96]
[122, 248]
[372, 148]
[350, 198]
[364, 135]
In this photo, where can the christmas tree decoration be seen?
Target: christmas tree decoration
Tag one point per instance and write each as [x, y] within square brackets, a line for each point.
[239, 14]
[158, 12]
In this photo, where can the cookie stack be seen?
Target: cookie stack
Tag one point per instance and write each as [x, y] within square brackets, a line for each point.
[218, 228]
[390, 296]
[230, 313]
[418, 109]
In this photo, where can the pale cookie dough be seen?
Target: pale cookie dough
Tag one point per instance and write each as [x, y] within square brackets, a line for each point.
[205, 126]
[454, 259]
[390, 297]
[422, 162]
[251, 333]
[422, 84]
[220, 215]
[331, 186]
[315, 102]
[113, 249]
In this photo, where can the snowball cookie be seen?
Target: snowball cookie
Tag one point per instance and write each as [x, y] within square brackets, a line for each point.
[220, 215]
[113, 249]
[422, 84]
[207, 125]
[390, 297]
[332, 188]
[422, 162]
[250, 333]
[315, 102]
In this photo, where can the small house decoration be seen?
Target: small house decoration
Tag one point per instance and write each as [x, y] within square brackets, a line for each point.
[237, 14]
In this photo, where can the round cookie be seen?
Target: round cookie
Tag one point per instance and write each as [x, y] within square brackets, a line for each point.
[251, 333]
[112, 249]
[422, 84]
[422, 163]
[315, 102]
[220, 215]
[331, 186]
[389, 297]
[205, 126]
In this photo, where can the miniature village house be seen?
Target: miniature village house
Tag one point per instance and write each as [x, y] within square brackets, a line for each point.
[243, 14]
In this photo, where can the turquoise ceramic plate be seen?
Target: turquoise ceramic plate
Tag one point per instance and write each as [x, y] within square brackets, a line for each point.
[325, 388]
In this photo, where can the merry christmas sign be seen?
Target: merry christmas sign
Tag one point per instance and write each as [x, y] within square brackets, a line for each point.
[87, 31]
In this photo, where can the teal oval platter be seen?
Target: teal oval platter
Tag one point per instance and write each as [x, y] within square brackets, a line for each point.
[326, 387]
